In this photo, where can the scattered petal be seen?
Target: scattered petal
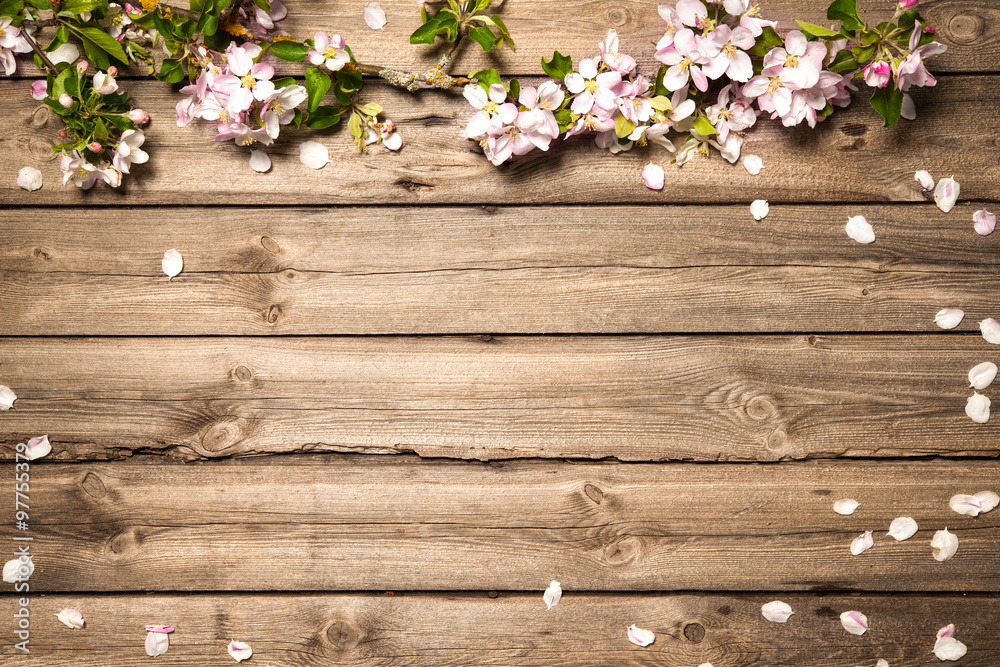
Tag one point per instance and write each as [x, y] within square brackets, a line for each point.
[974, 505]
[29, 178]
[164, 629]
[313, 154]
[259, 161]
[239, 650]
[640, 637]
[946, 647]
[984, 222]
[988, 500]
[854, 622]
[949, 318]
[7, 398]
[374, 15]
[902, 528]
[991, 330]
[862, 543]
[859, 229]
[777, 611]
[753, 164]
[925, 179]
[38, 447]
[882, 663]
[172, 263]
[978, 408]
[759, 209]
[71, 618]
[945, 545]
[393, 142]
[946, 194]
[552, 594]
[982, 376]
[846, 506]
[12, 570]
[157, 643]
[652, 176]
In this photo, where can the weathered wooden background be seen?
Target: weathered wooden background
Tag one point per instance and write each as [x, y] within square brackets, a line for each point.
[657, 399]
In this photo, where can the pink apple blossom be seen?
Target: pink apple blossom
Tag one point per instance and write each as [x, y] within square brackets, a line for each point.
[878, 73]
[724, 50]
[592, 88]
[38, 89]
[329, 51]
[685, 60]
[612, 58]
[493, 110]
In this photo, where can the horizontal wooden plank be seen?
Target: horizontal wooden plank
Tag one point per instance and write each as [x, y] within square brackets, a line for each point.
[513, 629]
[490, 270]
[702, 398]
[850, 158]
[365, 523]
[970, 29]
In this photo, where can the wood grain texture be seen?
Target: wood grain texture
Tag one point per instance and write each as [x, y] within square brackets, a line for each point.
[850, 158]
[510, 630]
[391, 270]
[701, 398]
[364, 523]
[574, 27]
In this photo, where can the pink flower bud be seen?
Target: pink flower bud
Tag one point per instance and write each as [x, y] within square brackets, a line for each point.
[113, 71]
[878, 74]
[82, 66]
[138, 116]
[95, 146]
[63, 133]
[907, 4]
[66, 100]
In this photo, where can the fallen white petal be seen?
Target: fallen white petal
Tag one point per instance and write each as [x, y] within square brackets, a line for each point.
[945, 545]
[925, 179]
[313, 154]
[982, 376]
[854, 622]
[172, 263]
[949, 318]
[29, 178]
[12, 571]
[862, 543]
[640, 637]
[71, 618]
[846, 506]
[259, 161]
[991, 330]
[393, 142]
[777, 611]
[759, 209]
[984, 222]
[38, 447]
[946, 194]
[860, 230]
[374, 15]
[157, 643]
[159, 628]
[988, 500]
[552, 594]
[7, 398]
[705, 664]
[652, 176]
[902, 528]
[882, 663]
[946, 647]
[978, 408]
[974, 505]
[753, 164]
[239, 650]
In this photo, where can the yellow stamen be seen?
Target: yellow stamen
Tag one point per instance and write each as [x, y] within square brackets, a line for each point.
[792, 61]
[248, 81]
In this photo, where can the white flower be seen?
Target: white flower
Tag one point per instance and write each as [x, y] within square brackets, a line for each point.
[128, 151]
[29, 178]
[104, 83]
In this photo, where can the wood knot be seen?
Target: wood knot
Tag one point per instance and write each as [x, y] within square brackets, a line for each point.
[694, 632]
[243, 373]
[220, 436]
[273, 313]
[39, 117]
[865, 292]
[93, 486]
[618, 16]
[493, 595]
[966, 28]
[343, 635]
[270, 245]
[41, 254]
[623, 550]
[594, 493]
[124, 543]
[777, 440]
[760, 408]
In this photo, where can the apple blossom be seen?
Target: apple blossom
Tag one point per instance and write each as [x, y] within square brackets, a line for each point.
[592, 88]
[105, 83]
[328, 51]
[612, 58]
[128, 152]
[878, 74]
[11, 42]
[138, 116]
[82, 66]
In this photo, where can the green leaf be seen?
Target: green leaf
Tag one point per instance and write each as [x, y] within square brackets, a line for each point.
[558, 66]
[845, 11]
[863, 53]
[62, 34]
[514, 89]
[59, 85]
[768, 40]
[565, 118]
[484, 37]
[172, 71]
[370, 109]
[426, 33]
[95, 54]
[504, 32]
[283, 81]
[263, 4]
[350, 81]
[317, 83]
[704, 127]
[843, 62]
[817, 30]
[12, 8]
[486, 78]
[105, 41]
[288, 50]
[77, 7]
[869, 37]
[661, 103]
[323, 117]
[888, 102]
[40, 4]
[100, 130]
[354, 126]
[623, 127]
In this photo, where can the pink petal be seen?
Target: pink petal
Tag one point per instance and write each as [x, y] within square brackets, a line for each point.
[552, 594]
[240, 651]
[640, 637]
[38, 447]
[777, 611]
[652, 176]
[162, 629]
[984, 222]
[854, 622]
[925, 179]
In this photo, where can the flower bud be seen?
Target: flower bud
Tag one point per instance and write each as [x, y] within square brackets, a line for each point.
[63, 133]
[138, 116]
[113, 71]
[95, 146]
[82, 66]
[38, 89]
[66, 100]
[907, 4]
[877, 74]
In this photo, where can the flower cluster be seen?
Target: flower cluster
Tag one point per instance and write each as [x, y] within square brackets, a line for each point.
[11, 42]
